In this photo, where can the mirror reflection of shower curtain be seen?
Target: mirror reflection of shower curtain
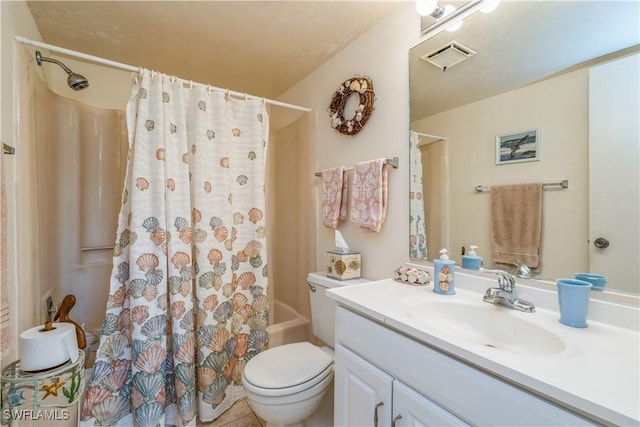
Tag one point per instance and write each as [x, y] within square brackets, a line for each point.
[417, 235]
[435, 183]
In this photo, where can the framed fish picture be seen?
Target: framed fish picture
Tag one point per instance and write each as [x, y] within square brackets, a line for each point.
[518, 147]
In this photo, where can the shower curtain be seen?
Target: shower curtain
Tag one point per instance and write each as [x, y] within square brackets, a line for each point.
[418, 236]
[187, 306]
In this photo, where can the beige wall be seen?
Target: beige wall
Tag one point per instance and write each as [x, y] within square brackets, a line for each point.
[559, 108]
[381, 54]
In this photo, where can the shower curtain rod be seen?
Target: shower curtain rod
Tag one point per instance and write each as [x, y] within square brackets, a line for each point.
[432, 139]
[126, 67]
[427, 135]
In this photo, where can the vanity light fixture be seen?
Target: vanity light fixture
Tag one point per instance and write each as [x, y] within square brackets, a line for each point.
[449, 17]
[433, 9]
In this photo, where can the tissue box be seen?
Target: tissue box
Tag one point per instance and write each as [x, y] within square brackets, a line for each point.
[343, 265]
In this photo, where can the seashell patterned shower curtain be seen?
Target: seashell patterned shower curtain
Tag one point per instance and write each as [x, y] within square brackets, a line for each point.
[188, 301]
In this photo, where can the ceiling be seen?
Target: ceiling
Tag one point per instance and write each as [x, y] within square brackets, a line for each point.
[519, 43]
[259, 47]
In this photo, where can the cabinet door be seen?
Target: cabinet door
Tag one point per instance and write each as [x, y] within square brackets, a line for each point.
[413, 409]
[362, 392]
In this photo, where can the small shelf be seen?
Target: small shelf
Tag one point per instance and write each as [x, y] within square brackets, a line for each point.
[37, 394]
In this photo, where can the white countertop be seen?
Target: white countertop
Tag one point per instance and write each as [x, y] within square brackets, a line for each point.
[597, 373]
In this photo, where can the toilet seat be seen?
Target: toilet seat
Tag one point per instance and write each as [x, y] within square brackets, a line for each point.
[287, 369]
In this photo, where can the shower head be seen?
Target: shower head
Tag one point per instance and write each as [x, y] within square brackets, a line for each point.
[74, 80]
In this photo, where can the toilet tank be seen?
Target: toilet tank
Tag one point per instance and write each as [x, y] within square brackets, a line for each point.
[322, 307]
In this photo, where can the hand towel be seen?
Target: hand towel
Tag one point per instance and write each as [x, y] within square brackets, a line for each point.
[517, 223]
[334, 196]
[369, 195]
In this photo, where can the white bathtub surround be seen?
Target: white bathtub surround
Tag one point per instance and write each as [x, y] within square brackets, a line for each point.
[591, 372]
[6, 324]
[288, 326]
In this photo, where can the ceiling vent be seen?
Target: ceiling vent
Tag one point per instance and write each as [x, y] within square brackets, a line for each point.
[449, 55]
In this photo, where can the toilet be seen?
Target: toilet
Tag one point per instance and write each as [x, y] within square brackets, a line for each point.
[285, 385]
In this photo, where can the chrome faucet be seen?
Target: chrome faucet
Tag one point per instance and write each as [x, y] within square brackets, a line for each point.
[505, 293]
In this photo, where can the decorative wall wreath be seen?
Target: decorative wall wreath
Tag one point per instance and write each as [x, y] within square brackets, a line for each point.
[362, 87]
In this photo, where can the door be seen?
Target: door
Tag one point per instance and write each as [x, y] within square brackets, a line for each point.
[413, 409]
[362, 392]
[614, 172]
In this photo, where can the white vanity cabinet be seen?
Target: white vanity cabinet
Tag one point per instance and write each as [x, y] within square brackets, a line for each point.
[362, 392]
[413, 409]
[367, 396]
[420, 386]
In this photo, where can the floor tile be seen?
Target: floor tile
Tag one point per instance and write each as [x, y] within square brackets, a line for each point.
[247, 421]
[239, 410]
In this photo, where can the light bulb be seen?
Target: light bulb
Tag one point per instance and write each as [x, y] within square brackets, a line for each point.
[490, 7]
[425, 7]
[448, 10]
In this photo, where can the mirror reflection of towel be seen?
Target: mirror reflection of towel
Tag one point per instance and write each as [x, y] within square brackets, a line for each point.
[516, 220]
[334, 196]
[369, 195]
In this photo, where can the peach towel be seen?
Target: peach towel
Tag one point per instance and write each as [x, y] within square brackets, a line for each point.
[517, 223]
[334, 196]
[369, 194]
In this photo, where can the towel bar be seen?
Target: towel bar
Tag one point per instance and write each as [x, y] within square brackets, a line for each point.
[564, 184]
[395, 163]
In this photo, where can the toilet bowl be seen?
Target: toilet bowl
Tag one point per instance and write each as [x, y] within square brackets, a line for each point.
[285, 385]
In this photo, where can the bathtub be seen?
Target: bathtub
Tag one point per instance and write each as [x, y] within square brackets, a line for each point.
[288, 326]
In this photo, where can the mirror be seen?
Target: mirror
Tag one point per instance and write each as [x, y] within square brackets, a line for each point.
[525, 66]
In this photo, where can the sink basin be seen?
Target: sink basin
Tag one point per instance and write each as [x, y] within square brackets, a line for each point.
[486, 325]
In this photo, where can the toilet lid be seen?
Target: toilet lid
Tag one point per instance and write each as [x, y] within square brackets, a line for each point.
[286, 365]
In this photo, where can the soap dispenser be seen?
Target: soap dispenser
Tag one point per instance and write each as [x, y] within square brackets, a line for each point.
[444, 274]
[472, 261]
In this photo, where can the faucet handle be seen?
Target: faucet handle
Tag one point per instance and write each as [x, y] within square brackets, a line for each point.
[505, 280]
